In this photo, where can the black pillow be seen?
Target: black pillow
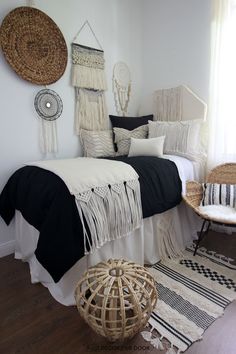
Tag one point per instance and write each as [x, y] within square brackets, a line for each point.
[129, 123]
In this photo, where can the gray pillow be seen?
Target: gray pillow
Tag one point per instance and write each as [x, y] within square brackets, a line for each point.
[97, 143]
[123, 137]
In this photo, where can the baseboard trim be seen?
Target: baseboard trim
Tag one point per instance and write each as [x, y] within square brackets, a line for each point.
[7, 248]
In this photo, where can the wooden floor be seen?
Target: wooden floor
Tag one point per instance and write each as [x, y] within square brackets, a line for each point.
[31, 321]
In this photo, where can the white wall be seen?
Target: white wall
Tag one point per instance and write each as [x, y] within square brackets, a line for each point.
[116, 24]
[176, 50]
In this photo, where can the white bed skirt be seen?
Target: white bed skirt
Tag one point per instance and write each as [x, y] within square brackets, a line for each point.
[141, 246]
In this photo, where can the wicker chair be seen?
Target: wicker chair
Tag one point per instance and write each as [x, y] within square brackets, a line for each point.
[222, 174]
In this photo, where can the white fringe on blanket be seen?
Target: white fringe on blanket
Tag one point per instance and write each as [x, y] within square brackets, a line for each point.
[107, 196]
[110, 213]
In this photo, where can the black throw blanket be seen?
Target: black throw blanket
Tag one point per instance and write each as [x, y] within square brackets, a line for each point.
[45, 202]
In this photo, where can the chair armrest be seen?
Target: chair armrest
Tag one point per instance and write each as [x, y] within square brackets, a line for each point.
[194, 193]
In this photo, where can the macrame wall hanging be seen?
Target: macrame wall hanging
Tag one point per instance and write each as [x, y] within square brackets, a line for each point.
[35, 48]
[89, 80]
[121, 87]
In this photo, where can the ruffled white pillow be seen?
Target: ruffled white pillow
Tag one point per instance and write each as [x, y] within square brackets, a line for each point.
[147, 147]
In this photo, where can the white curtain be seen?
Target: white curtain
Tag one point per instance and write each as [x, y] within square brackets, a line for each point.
[222, 105]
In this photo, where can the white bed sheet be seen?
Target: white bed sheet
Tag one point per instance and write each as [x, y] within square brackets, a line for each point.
[141, 246]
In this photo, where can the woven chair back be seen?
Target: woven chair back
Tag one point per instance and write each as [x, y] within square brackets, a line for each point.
[223, 174]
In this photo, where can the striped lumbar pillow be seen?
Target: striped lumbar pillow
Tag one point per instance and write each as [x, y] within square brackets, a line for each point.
[219, 194]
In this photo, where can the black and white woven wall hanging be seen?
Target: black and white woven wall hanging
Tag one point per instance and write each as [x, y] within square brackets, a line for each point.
[89, 79]
[49, 106]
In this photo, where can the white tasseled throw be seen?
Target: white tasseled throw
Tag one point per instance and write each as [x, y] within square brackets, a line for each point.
[107, 195]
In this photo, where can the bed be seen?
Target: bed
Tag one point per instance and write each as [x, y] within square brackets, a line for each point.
[166, 227]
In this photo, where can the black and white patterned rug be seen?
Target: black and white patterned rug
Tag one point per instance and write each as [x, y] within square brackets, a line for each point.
[193, 292]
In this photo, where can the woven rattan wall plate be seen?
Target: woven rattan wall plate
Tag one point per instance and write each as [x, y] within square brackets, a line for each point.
[48, 104]
[33, 45]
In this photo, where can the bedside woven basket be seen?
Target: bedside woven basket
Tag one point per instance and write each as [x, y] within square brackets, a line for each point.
[116, 298]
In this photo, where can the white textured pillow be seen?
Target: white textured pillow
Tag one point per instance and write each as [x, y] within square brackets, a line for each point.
[182, 137]
[97, 143]
[147, 147]
[123, 136]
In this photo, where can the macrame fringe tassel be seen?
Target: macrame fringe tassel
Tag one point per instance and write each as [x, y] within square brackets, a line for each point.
[171, 351]
[90, 78]
[109, 213]
[157, 342]
[91, 111]
[48, 136]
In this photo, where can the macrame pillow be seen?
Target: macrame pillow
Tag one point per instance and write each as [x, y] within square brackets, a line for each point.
[97, 143]
[182, 137]
[147, 147]
[219, 194]
[123, 136]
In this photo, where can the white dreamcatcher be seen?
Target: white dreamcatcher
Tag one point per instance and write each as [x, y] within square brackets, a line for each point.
[121, 87]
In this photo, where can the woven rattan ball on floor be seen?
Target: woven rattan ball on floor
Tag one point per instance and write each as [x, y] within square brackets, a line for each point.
[116, 298]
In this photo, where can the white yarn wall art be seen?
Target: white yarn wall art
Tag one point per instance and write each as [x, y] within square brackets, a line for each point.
[91, 110]
[88, 78]
[121, 87]
[48, 105]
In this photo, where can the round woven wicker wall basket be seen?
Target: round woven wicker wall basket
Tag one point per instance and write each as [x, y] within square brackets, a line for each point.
[33, 45]
[116, 298]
